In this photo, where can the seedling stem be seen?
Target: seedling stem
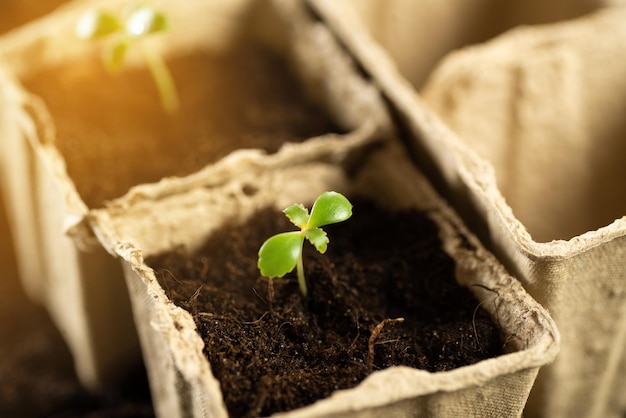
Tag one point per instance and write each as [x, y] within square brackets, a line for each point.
[281, 253]
[163, 79]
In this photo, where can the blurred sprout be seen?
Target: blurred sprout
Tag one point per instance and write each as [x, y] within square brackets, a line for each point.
[145, 20]
[141, 22]
[96, 24]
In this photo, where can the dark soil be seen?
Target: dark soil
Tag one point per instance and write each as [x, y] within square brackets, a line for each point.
[273, 350]
[114, 134]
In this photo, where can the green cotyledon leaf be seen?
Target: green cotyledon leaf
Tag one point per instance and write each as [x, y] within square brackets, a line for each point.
[329, 208]
[145, 20]
[318, 238]
[298, 215]
[114, 58]
[96, 24]
[279, 254]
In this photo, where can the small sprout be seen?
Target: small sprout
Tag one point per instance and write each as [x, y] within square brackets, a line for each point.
[282, 252]
[139, 23]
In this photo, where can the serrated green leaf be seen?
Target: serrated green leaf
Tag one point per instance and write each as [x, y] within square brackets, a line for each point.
[279, 254]
[96, 24]
[330, 208]
[116, 56]
[297, 214]
[145, 20]
[318, 238]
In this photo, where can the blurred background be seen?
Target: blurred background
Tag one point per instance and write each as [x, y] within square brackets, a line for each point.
[37, 377]
[17, 12]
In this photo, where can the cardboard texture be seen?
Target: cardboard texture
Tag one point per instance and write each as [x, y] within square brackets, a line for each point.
[418, 34]
[556, 97]
[182, 384]
[74, 137]
[543, 106]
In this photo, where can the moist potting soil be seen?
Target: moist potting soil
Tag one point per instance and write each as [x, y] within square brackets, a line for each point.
[274, 350]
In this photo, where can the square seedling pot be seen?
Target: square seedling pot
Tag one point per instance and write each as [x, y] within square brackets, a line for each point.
[524, 134]
[137, 227]
[249, 75]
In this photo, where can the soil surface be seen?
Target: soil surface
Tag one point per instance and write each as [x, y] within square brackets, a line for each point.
[273, 350]
[114, 134]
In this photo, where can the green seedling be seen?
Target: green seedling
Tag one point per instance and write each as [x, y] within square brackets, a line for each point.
[139, 23]
[282, 252]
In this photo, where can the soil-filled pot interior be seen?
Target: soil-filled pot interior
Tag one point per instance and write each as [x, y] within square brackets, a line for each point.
[274, 350]
[113, 132]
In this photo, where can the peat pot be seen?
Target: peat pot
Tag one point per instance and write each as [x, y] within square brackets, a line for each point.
[523, 134]
[140, 228]
[248, 74]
